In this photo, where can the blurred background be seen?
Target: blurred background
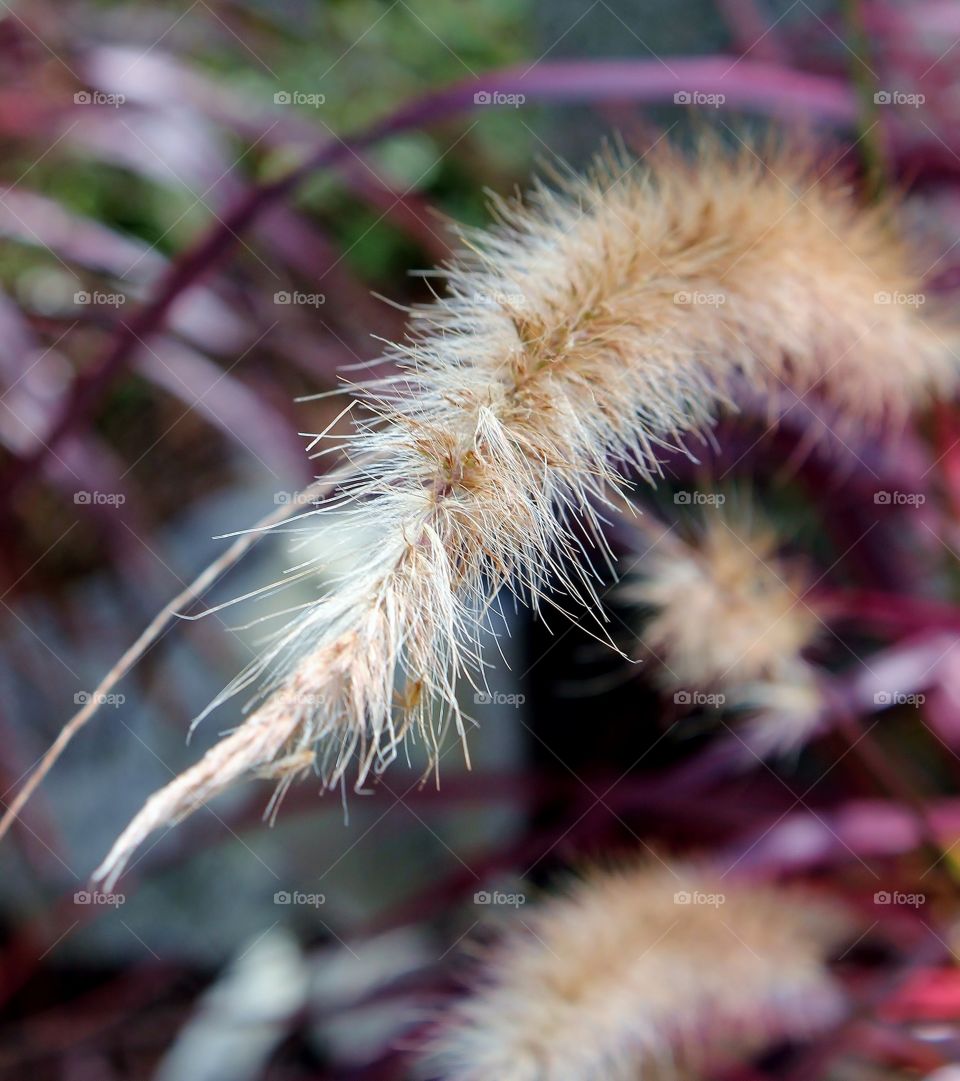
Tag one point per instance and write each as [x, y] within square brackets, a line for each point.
[209, 210]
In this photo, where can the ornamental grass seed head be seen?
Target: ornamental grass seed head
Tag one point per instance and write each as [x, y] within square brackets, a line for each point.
[643, 974]
[730, 615]
[596, 322]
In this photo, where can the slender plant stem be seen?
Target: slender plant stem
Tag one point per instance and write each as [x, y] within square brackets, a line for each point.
[150, 635]
[868, 122]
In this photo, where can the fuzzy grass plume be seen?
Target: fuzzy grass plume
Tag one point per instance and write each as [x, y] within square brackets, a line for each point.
[645, 973]
[731, 615]
[595, 323]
